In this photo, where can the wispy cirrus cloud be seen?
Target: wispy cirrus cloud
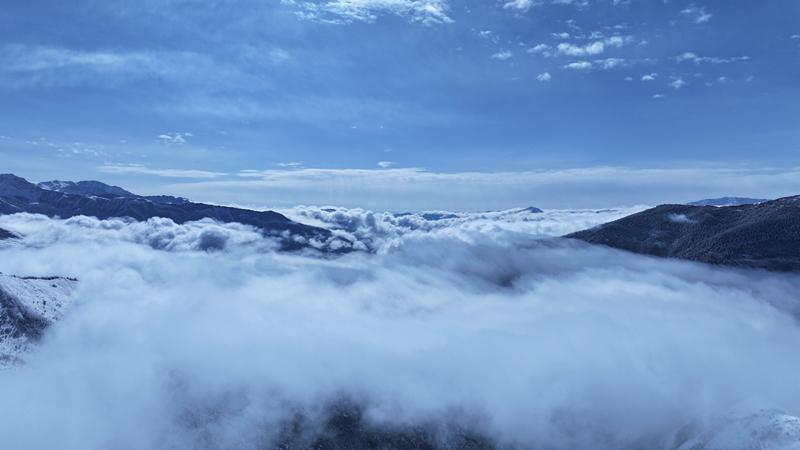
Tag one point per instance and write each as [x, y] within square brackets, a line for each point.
[518, 5]
[141, 169]
[56, 66]
[174, 138]
[697, 14]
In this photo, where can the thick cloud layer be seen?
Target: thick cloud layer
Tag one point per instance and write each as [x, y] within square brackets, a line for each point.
[479, 325]
[379, 230]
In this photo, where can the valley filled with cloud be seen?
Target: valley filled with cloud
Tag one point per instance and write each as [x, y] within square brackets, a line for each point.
[479, 328]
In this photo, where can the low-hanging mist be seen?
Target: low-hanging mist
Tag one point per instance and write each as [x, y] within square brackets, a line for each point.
[203, 336]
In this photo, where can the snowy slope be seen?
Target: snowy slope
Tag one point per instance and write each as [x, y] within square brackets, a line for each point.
[28, 306]
[765, 430]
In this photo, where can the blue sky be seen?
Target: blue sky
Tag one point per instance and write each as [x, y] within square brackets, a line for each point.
[406, 104]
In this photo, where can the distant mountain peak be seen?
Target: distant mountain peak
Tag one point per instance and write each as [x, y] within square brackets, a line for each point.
[6, 177]
[90, 187]
[56, 185]
[17, 187]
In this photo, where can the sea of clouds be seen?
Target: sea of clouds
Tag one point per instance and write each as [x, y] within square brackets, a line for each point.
[203, 336]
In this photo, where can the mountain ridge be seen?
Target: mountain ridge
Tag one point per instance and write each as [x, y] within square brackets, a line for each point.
[764, 235]
[100, 189]
[19, 195]
[728, 201]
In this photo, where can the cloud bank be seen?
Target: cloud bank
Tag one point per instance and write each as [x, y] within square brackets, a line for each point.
[523, 339]
[415, 189]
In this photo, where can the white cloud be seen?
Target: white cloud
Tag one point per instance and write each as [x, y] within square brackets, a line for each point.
[610, 63]
[544, 76]
[617, 41]
[677, 83]
[579, 65]
[592, 48]
[525, 5]
[170, 173]
[657, 96]
[385, 164]
[649, 77]
[174, 138]
[502, 55]
[600, 64]
[429, 12]
[693, 57]
[381, 230]
[697, 14]
[542, 49]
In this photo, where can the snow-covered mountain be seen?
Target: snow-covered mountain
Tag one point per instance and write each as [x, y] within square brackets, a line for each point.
[764, 430]
[28, 305]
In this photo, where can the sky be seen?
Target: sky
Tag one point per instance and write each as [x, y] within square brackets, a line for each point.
[406, 104]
